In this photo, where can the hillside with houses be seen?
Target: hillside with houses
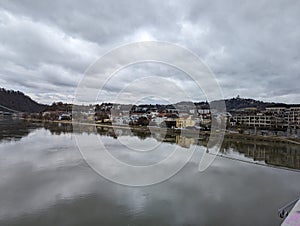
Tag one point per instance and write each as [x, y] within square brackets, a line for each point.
[241, 113]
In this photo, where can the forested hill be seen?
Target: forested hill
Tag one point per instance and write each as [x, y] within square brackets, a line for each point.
[240, 103]
[18, 101]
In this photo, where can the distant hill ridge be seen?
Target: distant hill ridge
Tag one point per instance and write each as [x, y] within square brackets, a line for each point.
[240, 103]
[18, 101]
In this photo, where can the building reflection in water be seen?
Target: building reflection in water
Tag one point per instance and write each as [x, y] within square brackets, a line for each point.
[271, 153]
[277, 154]
[185, 142]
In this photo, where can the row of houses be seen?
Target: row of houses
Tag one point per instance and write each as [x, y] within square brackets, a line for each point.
[131, 115]
[161, 120]
[170, 116]
[182, 116]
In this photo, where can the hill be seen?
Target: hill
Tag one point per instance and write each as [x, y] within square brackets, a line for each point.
[240, 103]
[18, 101]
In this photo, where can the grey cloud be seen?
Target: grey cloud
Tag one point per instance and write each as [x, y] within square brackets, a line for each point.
[253, 47]
[98, 21]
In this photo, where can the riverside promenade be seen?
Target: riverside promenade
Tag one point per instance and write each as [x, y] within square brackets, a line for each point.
[293, 219]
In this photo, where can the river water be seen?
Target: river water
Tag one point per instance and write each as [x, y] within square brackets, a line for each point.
[45, 181]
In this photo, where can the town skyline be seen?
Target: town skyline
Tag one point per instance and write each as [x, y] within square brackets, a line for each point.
[148, 112]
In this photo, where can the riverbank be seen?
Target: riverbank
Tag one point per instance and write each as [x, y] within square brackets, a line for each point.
[265, 138]
[228, 134]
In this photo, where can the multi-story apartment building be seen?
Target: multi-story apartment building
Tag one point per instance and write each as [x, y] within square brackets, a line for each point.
[254, 120]
[276, 117]
[290, 115]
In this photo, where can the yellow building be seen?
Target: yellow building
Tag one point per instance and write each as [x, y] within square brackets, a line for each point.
[184, 122]
[184, 141]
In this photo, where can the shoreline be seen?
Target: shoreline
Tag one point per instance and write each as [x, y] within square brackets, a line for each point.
[228, 134]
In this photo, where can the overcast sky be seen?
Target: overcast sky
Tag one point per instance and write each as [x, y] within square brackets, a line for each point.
[252, 47]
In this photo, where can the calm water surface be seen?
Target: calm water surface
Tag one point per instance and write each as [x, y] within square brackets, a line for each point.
[45, 181]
